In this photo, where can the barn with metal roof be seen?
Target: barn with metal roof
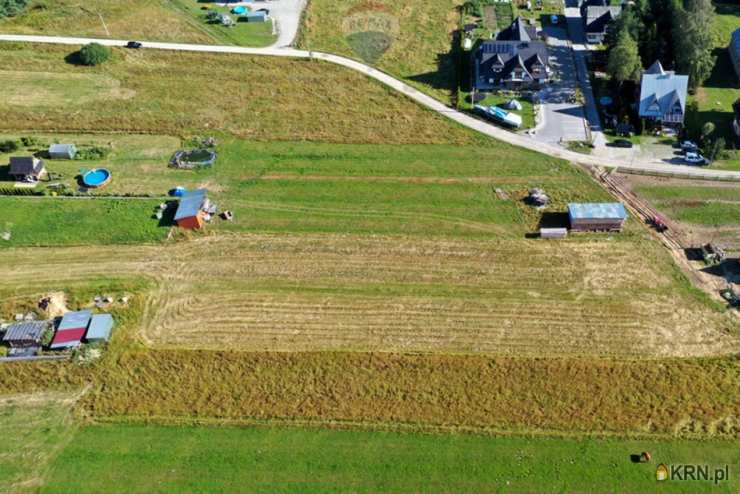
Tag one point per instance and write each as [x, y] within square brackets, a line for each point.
[609, 216]
[25, 334]
[71, 330]
[191, 209]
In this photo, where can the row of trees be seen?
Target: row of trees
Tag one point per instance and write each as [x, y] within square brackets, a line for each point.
[676, 32]
[9, 8]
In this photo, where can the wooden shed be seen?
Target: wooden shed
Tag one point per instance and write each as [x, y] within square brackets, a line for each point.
[607, 216]
[191, 209]
[25, 334]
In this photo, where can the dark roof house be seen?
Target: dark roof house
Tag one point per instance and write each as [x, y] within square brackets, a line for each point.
[62, 151]
[191, 209]
[596, 19]
[71, 329]
[25, 334]
[26, 166]
[663, 96]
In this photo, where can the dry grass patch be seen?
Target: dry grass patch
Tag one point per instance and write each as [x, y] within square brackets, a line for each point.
[144, 19]
[252, 97]
[329, 292]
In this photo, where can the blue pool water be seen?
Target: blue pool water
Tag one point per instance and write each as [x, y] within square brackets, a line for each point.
[239, 9]
[96, 177]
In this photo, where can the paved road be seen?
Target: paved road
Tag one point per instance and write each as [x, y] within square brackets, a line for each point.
[421, 98]
[563, 121]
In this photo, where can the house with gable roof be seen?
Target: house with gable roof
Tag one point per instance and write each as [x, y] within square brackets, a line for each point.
[516, 59]
[663, 95]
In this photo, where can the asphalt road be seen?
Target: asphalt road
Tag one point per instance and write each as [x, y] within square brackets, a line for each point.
[421, 98]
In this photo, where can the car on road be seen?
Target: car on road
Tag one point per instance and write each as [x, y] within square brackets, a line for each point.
[689, 146]
[694, 158]
[133, 44]
[621, 143]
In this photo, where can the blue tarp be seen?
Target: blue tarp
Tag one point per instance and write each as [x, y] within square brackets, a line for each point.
[190, 204]
[594, 211]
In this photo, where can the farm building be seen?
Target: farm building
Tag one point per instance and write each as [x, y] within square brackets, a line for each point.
[191, 211]
[257, 16]
[100, 328]
[25, 167]
[62, 151]
[71, 329]
[25, 334]
[597, 216]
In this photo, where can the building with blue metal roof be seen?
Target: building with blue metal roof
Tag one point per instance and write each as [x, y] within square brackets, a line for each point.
[99, 328]
[191, 209]
[609, 216]
[663, 96]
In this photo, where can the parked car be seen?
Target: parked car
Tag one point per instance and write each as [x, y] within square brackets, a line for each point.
[133, 44]
[689, 146]
[622, 143]
[694, 158]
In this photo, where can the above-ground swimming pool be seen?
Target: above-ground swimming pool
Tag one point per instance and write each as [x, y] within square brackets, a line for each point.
[97, 177]
[239, 9]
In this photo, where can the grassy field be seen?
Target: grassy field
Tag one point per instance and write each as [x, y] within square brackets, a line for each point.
[527, 111]
[144, 19]
[34, 429]
[346, 292]
[703, 206]
[61, 221]
[161, 92]
[419, 35]
[242, 34]
[115, 458]
[719, 92]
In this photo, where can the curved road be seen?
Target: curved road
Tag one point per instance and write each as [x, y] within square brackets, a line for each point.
[421, 98]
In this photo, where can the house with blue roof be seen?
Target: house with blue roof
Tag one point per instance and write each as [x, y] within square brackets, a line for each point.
[606, 216]
[663, 96]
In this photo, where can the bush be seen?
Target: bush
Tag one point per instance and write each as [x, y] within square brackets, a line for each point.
[29, 141]
[92, 153]
[10, 8]
[8, 146]
[47, 336]
[3, 351]
[94, 54]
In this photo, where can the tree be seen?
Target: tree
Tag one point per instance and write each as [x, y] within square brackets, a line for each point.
[706, 130]
[624, 61]
[692, 33]
[8, 146]
[10, 8]
[94, 54]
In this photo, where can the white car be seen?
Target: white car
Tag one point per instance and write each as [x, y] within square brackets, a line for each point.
[689, 146]
[694, 158]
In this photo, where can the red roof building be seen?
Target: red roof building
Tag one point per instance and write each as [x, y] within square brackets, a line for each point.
[71, 330]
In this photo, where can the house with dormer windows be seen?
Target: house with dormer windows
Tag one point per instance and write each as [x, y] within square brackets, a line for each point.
[663, 96]
[516, 59]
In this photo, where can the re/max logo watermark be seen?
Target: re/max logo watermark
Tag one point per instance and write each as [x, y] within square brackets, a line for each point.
[693, 472]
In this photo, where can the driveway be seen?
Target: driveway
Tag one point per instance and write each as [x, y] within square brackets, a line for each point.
[564, 121]
[286, 17]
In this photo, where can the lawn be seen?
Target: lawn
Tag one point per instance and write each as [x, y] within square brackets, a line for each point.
[130, 459]
[144, 19]
[34, 429]
[242, 33]
[719, 92]
[527, 111]
[160, 92]
[413, 39]
[71, 221]
[704, 206]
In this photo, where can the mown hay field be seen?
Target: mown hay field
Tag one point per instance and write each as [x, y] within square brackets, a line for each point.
[347, 292]
[418, 37]
[143, 19]
[125, 458]
[176, 93]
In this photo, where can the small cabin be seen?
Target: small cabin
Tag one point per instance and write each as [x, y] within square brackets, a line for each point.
[62, 151]
[25, 334]
[24, 167]
[191, 210]
[609, 216]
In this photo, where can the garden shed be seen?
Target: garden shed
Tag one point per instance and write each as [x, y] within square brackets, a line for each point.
[191, 209]
[100, 328]
[22, 167]
[257, 16]
[608, 216]
[62, 151]
[25, 334]
[71, 329]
